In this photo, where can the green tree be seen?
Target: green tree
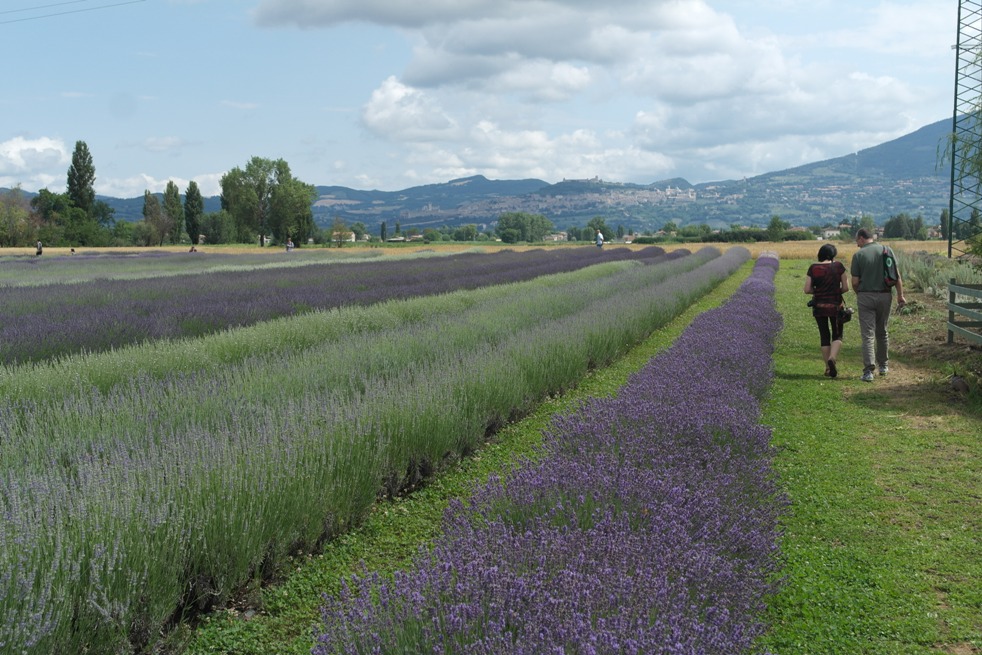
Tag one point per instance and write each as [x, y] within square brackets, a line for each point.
[521, 226]
[776, 229]
[291, 212]
[15, 223]
[902, 226]
[945, 224]
[173, 211]
[218, 227]
[265, 198]
[123, 233]
[465, 233]
[962, 230]
[194, 210]
[339, 232]
[155, 230]
[103, 214]
[698, 232]
[52, 211]
[383, 232]
[81, 178]
[359, 230]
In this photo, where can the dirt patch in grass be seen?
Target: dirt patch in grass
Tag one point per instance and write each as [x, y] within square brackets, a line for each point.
[921, 359]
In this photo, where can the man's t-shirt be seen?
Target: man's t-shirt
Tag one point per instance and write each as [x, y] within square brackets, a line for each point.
[867, 265]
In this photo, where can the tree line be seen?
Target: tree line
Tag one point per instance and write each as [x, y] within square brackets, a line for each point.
[261, 202]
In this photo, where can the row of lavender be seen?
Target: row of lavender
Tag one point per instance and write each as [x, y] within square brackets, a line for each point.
[113, 264]
[125, 507]
[43, 322]
[648, 526]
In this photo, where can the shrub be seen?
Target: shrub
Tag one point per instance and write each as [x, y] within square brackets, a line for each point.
[648, 526]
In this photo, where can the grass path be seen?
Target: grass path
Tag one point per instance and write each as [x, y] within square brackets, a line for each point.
[883, 542]
[882, 546]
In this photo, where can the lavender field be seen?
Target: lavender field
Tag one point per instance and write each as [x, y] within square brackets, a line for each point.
[649, 525]
[153, 481]
[39, 322]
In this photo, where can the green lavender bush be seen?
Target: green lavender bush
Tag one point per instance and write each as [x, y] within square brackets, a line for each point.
[160, 480]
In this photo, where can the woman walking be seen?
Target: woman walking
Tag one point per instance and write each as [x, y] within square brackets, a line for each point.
[826, 281]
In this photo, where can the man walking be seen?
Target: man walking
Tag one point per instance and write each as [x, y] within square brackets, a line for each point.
[874, 299]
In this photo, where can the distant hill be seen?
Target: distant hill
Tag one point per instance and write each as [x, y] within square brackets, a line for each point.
[900, 176]
[422, 205]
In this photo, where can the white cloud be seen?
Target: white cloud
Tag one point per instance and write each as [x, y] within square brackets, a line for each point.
[136, 185]
[30, 163]
[20, 155]
[401, 113]
[513, 86]
[630, 90]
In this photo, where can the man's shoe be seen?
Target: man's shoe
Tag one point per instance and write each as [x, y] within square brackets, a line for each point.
[832, 370]
[884, 370]
[867, 376]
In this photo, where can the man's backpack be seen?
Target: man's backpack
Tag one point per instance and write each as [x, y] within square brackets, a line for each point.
[890, 274]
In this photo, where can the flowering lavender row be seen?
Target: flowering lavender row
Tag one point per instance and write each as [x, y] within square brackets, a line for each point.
[124, 508]
[648, 526]
[87, 266]
[39, 323]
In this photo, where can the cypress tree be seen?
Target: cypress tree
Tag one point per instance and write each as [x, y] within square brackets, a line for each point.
[194, 209]
[81, 178]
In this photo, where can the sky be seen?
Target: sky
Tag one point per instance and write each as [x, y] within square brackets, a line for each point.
[391, 94]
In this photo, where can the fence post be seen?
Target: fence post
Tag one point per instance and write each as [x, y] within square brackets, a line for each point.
[951, 313]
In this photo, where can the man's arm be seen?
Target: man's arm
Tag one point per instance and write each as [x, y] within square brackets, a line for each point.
[855, 283]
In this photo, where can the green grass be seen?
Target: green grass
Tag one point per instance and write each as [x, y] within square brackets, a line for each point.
[882, 542]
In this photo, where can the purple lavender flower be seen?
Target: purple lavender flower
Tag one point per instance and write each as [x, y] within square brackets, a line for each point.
[649, 524]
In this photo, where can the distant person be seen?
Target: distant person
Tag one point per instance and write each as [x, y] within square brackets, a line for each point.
[826, 281]
[262, 240]
[600, 239]
[873, 299]
[73, 251]
[289, 245]
[40, 249]
[193, 249]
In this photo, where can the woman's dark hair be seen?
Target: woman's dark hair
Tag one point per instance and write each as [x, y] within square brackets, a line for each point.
[828, 251]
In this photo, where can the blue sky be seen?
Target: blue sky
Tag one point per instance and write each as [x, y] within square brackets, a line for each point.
[389, 94]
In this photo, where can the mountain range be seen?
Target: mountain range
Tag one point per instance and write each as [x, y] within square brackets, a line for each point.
[905, 175]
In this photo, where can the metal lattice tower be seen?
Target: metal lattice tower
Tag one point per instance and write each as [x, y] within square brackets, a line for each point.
[964, 211]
